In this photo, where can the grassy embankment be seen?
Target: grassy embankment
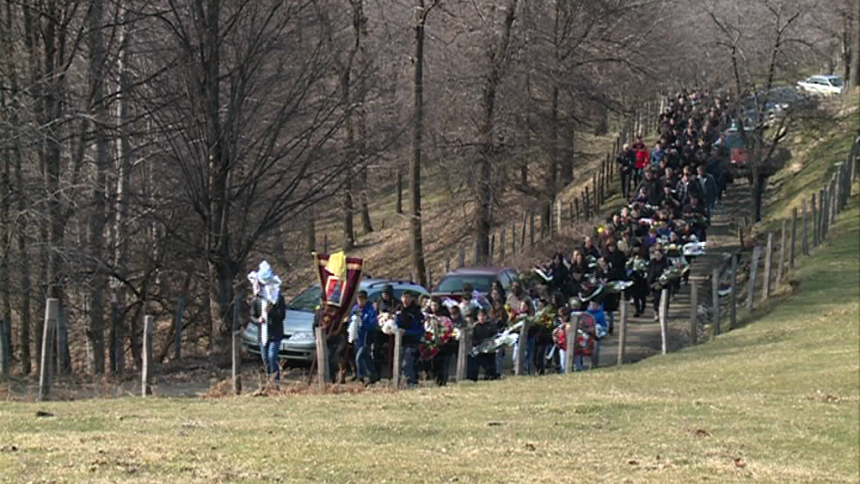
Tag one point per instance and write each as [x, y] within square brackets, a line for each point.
[775, 401]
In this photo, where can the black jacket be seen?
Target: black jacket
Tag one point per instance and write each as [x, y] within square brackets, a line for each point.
[411, 320]
[617, 266]
[274, 317]
[656, 269]
[483, 332]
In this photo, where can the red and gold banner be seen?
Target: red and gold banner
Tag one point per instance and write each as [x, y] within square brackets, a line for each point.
[340, 277]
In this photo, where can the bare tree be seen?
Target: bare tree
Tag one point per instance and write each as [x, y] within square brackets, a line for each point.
[267, 139]
[747, 64]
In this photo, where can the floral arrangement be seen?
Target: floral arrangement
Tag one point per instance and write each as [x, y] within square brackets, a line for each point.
[387, 324]
[545, 317]
[509, 337]
[637, 265]
[437, 332]
[352, 329]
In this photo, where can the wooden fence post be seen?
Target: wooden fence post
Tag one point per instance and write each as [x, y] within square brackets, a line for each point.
[622, 333]
[461, 261]
[177, 328]
[587, 204]
[816, 221]
[523, 233]
[447, 266]
[768, 258]
[522, 343]
[398, 350]
[558, 215]
[824, 196]
[664, 329]
[325, 243]
[715, 300]
[751, 283]
[462, 354]
[514, 239]
[793, 237]
[146, 360]
[694, 311]
[781, 266]
[531, 229]
[322, 357]
[492, 250]
[733, 299]
[570, 339]
[236, 368]
[576, 208]
[502, 241]
[804, 249]
[52, 312]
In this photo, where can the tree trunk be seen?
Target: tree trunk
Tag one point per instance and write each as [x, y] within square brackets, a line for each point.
[348, 227]
[123, 179]
[23, 256]
[97, 218]
[366, 225]
[5, 246]
[220, 263]
[854, 70]
[417, 134]
[483, 221]
[398, 186]
[551, 180]
[567, 156]
[311, 233]
[758, 185]
[53, 117]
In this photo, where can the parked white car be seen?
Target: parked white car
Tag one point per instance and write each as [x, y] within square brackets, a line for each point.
[822, 85]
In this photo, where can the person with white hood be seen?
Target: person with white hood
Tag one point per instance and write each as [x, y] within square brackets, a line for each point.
[268, 310]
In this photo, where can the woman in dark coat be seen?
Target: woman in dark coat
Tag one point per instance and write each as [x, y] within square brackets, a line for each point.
[617, 271]
[656, 267]
[639, 290]
[560, 275]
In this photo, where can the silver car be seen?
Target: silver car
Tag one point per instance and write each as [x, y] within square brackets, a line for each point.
[299, 342]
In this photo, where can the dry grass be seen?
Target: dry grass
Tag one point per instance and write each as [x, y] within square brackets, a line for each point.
[776, 401]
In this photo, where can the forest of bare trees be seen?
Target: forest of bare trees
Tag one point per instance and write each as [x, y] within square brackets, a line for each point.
[154, 149]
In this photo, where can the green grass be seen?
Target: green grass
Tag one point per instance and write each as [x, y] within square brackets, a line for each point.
[775, 401]
[816, 144]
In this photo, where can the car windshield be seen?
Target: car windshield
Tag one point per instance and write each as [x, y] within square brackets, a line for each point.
[307, 301]
[836, 82]
[454, 283]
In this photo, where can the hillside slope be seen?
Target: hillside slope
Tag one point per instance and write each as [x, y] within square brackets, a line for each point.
[776, 401]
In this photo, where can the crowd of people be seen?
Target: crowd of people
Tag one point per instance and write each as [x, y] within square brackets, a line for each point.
[642, 248]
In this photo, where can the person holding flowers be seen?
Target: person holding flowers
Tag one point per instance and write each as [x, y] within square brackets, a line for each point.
[411, 320]
[483, 331]
[499, 316]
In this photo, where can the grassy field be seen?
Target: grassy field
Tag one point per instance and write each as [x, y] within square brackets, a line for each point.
[776, 401]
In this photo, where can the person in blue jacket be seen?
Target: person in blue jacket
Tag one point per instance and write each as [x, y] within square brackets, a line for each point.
[600, 329]
[410, 319]
[367, 328]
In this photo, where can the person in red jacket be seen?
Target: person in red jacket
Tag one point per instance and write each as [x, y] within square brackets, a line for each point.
[642, 159]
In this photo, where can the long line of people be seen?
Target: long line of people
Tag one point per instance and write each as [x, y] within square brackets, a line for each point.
[641, 248]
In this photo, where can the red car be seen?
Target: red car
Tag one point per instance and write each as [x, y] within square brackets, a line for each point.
[481, 279]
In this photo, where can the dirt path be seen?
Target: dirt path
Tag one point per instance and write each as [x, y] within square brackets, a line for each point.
[643, 334]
